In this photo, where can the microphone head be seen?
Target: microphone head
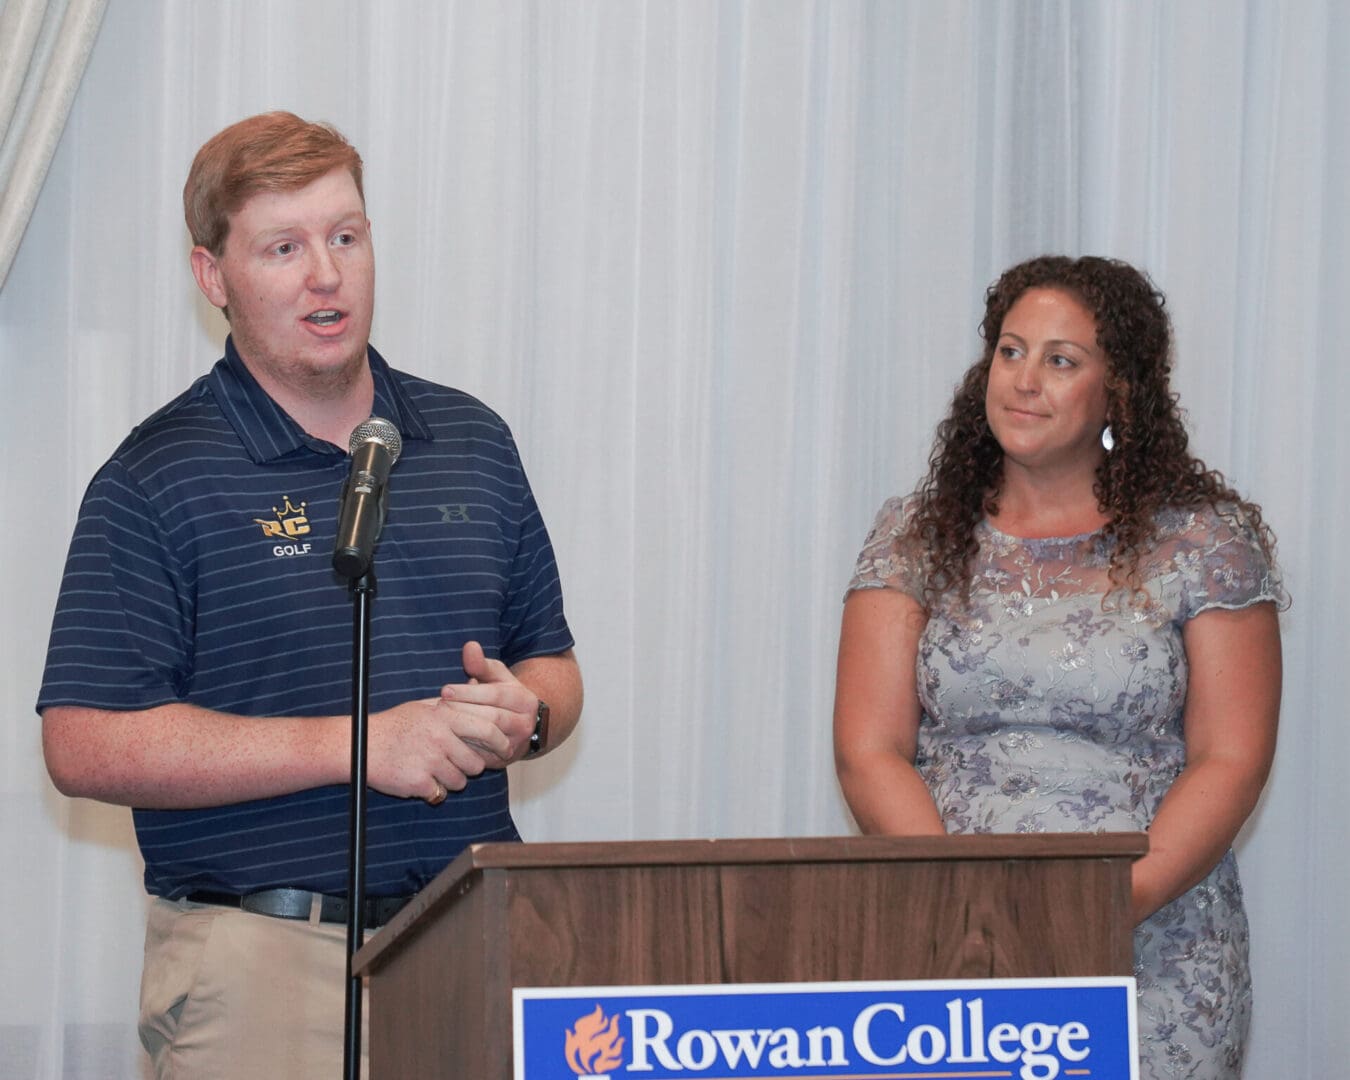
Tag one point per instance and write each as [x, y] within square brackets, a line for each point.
[377, 430]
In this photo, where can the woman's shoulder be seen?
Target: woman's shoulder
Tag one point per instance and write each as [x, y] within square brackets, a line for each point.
[1226, 531]
[1206, 523]
[895, 514]
[886, 561]
[1219, 552]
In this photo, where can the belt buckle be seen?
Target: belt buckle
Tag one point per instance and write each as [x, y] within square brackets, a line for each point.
[279, 903]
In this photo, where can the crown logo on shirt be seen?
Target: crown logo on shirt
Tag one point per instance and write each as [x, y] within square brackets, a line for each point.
[290, 521]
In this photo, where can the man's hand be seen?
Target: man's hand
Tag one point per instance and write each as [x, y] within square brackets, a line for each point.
[422, 749]
[495, 697]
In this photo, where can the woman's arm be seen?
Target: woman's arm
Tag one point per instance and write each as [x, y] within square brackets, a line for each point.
[876, 715]
[1232, 707]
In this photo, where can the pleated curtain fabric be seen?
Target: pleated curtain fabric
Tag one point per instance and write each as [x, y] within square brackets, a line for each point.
[719, 265]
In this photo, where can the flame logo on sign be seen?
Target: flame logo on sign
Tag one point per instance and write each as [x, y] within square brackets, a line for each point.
[594, 1046]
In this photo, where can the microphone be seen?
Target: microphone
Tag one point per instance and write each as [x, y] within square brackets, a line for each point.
[375, 446]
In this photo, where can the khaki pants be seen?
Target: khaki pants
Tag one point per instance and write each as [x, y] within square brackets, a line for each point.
[227, 993]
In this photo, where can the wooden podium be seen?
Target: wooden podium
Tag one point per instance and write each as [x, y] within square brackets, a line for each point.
[729, 911]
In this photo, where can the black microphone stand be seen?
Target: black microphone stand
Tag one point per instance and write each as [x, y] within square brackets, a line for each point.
[363, 592]
[374, 445]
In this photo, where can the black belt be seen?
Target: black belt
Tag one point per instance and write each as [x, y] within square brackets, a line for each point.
[297, 904]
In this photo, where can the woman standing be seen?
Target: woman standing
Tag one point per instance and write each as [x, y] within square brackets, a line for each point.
[1072, 626]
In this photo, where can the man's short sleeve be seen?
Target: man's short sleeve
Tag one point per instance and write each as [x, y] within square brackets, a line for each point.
[533, 623]
[121, 634]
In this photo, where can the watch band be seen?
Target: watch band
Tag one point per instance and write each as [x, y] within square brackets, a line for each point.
[539, 737]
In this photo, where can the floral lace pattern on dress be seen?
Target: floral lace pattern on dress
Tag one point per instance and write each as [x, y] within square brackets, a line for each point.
[1053, 704]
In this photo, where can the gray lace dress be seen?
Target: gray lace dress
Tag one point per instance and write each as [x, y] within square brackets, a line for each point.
[1046, 711]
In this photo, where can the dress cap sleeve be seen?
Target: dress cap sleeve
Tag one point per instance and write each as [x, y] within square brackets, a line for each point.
[1221, 563]
[886, 562]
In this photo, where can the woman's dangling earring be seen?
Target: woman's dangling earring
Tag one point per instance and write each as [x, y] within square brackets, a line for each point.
[1108, 439]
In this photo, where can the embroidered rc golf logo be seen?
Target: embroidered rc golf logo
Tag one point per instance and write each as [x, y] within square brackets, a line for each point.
[594, 1046]
[290, 524]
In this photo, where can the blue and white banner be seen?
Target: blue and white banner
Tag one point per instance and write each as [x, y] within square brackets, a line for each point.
[955, 1029]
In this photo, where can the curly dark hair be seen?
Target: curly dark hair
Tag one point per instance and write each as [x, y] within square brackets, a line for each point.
[1149, 468]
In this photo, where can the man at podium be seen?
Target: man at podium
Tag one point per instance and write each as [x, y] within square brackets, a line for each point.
[199, 669]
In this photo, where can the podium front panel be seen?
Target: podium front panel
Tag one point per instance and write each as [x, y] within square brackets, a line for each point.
[441, 975]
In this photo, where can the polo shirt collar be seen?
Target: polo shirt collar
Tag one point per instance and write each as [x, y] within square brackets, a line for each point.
[267, 431]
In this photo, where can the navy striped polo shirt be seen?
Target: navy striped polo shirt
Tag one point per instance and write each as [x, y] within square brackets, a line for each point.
[201, 571]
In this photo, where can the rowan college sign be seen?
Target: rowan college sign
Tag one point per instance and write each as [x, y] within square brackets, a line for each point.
[988, 1029]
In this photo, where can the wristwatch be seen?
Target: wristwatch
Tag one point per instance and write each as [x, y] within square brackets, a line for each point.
[539, 739]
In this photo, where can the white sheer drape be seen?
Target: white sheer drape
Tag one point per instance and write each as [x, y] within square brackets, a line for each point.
[719, 265]
[44, 45]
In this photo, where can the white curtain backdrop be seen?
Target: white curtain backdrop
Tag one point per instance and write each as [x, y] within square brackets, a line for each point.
[44, 45]
[719, 265]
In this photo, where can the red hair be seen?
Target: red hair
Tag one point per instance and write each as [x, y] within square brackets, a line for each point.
[274, 151]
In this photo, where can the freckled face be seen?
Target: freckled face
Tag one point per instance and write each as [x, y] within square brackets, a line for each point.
[298, 274]
[1046, 398]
